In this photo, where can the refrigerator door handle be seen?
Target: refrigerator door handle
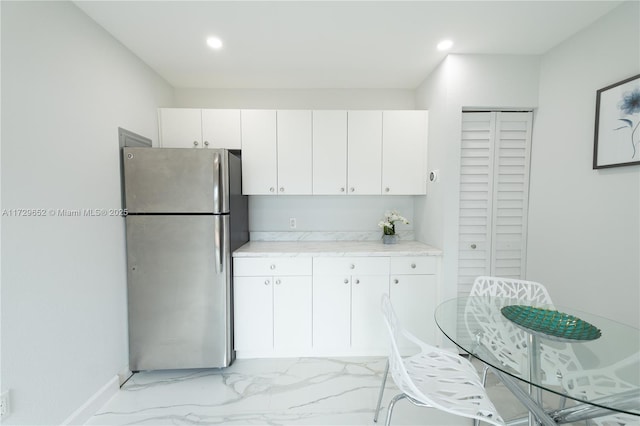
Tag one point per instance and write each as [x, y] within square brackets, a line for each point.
[217, 182]
[219, 243]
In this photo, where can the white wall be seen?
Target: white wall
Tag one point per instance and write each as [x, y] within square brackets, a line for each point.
[295, 98]
[463, 81]
[584, 224]
[327, 213]
[319, 214]
[66, 88]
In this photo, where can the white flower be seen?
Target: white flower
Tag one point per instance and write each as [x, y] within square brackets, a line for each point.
[390, 218]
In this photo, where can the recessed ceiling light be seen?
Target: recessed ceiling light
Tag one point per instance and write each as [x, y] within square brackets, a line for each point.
[214, 42]
[445, 45]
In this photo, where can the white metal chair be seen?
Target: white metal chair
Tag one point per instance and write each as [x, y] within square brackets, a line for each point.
[433, 377]
[508, 344]
[592, 384]
[559, 363]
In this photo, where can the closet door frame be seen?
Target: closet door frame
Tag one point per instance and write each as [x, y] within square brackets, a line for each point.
[498, 163]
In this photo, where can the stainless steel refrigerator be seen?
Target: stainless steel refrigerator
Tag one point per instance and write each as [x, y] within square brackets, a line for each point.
[186, 215]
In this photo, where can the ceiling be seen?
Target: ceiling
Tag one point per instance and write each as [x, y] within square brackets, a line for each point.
[330, 44]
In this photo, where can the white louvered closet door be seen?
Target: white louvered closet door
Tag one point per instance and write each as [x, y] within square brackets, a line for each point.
[494, 192]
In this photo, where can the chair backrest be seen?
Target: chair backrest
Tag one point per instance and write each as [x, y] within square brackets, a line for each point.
[452, 381]
[519, 290]
[602, 382]
[507, 342]
[396, 367]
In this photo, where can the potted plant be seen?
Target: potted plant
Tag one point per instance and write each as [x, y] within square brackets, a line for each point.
[389, 228]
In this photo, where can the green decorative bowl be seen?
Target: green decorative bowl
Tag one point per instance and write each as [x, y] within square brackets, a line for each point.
[551, 323]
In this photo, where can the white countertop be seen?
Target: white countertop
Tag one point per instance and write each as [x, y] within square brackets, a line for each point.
[334, 248]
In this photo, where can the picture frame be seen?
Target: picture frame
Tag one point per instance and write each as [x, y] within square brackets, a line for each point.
[617, 126]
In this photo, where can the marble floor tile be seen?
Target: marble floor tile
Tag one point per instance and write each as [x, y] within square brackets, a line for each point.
[297, 391]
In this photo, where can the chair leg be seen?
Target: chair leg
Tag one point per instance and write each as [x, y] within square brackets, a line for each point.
[485, 370]
[391, 405]
[384, 382]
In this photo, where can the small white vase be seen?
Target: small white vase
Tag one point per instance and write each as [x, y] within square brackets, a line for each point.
[389, 239]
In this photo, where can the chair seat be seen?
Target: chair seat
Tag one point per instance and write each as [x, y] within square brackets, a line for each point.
[433, 377]
[450, 381]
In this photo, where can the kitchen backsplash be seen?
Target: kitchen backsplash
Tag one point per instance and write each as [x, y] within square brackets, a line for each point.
[325, 236]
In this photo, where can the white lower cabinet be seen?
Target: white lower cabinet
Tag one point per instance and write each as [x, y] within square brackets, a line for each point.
[253, 313]
[346, 308]
[368, 331]
[272, 313]
[292, 314]
[282, 309]
[413, 290]
[331, 313]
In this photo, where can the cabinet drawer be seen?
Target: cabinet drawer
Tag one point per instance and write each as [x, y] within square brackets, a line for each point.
[351, 265]
[269, 266]
[418, 265]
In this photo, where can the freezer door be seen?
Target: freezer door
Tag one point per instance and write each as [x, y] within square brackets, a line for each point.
[179, 292]
[176, 180]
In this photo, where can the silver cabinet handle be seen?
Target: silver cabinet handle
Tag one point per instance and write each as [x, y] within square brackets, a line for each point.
[346, 281]
[473, 246]
[272, 267]
[281, 189]
[278, 282]
[352, 266]
[352, 189]
[266, 282]
[413, 266]
[386, 189]
[396, 281]
[342, 189]
[206, 143]
[271, 189]
[195, 143]
[357, 281]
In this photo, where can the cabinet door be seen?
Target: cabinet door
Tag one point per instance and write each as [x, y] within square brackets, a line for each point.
[292, 313]
[332, 313]
[364, 156]
[294, 152]
[221, 128]
[404, 144]
[180, 128]
[330, 152]
[368, 332]
[414, 298]
[253, 313]
[259, 154]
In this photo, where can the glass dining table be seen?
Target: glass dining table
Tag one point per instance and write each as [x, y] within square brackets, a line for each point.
[595, 373]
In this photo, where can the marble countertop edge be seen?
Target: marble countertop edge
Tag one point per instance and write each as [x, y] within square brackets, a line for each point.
[334, 248]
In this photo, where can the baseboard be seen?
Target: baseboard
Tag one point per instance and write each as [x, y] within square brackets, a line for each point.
[93, 404]
[124, 375]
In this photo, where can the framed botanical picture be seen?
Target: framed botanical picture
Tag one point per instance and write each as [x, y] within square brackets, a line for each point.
[617, 135]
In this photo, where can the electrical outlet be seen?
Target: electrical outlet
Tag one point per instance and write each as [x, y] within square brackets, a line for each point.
[4, 404]
[292, 222]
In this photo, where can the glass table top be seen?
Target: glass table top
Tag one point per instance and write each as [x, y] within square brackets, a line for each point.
[604, 371]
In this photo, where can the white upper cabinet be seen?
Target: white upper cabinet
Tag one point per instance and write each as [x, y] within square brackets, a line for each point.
[404, 144]
[364, 143]
[294, 152]
[259, 152]
[180, 127]
[304, 152]
[330, 152]
[221, 128]
[199, 128]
